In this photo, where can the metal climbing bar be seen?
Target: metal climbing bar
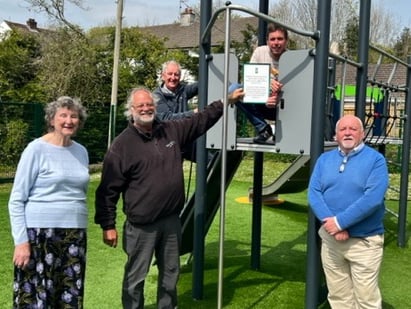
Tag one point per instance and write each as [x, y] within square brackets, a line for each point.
[231, 7]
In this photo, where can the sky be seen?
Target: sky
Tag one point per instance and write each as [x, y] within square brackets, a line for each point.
[151, 12]
[103, 12]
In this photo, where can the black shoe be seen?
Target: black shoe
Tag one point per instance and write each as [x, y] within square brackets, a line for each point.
[263, 136]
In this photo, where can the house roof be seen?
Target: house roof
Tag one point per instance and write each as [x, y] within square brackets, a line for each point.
[383, 74]
[29, 26]
[178, 36]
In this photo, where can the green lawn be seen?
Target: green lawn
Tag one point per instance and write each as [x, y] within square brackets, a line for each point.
[279, 283]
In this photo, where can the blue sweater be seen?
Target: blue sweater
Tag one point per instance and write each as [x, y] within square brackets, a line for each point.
[353, 193]
[49, 189]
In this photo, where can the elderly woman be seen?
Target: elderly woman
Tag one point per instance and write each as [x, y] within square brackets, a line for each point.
[48, 213]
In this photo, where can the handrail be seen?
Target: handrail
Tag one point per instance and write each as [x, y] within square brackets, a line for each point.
[346, 60]
[389, 55]
[314, 35]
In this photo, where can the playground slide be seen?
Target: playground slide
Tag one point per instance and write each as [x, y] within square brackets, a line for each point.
[293, 179]
[212, 198]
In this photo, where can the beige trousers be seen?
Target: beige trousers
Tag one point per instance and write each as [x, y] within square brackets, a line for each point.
[351, 270]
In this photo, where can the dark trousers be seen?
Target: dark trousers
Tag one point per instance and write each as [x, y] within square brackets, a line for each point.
[140, 242]
[256, 113]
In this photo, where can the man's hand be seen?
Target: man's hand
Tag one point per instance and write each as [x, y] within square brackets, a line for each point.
[276, 86]
[110, 237]
[272, 100]
[235, 96]
[21, 255]
[342, 235]
[330, 225]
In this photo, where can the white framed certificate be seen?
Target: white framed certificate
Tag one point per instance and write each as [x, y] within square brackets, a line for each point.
[256, 82]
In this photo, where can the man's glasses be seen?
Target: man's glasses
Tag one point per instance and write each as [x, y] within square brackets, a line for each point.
[343, 163]
[141, 105]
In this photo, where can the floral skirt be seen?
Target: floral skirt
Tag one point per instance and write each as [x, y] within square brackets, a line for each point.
[54, 277]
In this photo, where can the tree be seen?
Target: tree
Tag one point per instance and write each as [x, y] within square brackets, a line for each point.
[37, 67]
[349, 47]
[383, 25]
[69, 66]
[218, 4]
[342, 12]
[55, 11]
[243, 50]
[141, 57]
[302, 14]
[19, 65]
[402, 47]
[284, 11]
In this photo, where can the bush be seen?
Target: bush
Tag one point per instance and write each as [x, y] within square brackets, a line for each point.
[14, 141]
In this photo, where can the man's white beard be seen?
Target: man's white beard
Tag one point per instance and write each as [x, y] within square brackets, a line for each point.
[145, 119]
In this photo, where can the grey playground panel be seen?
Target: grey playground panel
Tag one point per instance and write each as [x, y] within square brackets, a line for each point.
[216, 92]
[293, 125]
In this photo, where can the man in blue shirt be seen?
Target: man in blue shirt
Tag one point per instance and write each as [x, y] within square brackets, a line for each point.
[346, 193]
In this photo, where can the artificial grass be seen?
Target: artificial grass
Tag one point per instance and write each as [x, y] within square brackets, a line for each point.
[278, 283]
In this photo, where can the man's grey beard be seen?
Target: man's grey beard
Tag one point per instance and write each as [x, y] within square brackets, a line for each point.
[138, 119]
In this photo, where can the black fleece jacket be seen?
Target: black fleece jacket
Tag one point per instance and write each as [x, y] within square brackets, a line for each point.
[146, 170]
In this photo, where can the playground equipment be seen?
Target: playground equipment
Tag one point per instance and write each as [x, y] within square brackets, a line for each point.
[293, 124]
[317, 119]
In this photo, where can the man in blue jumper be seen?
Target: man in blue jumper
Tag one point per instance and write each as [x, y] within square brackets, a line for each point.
[346, 193]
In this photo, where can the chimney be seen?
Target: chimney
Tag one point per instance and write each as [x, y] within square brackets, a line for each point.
[32, 24]
[187, 17]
